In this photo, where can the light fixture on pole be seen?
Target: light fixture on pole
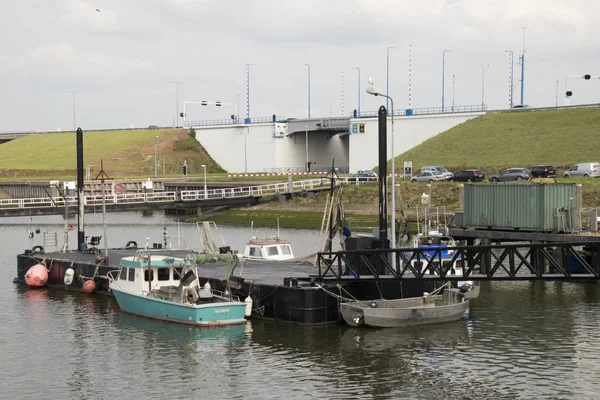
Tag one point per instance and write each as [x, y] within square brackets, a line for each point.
[176, 83]
[375, 91]
[512, 76]
[205, 193]
[387, 76]
[155, 137]
[308, 65]
[306, 130]
[245, 148]
[74, 121]
[443, 76]
[358, 109]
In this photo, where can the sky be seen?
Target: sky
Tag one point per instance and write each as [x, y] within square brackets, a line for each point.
[113, 61]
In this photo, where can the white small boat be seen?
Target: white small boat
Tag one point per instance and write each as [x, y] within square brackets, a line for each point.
[271, 248]
[167, 288]
[450, 306]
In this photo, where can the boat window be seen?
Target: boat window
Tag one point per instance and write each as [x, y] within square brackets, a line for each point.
[123, 274]
[254, 252]
[151, 275]
[177, 272]
[272, 251]
[131, 274]
[286, 250]
[163, 274]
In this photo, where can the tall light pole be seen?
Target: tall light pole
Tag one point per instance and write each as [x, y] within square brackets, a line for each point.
[358, 70]
[375, 92]
[443, 76]
[387, 76]
[204, 168]
[248, 93]
[306, 140]
[176, 83]
[556, 93]
[482, 85]
[308, 65]
[155, 137]
[512, 76]
[523, 68]
[74, 121]
[246, 148]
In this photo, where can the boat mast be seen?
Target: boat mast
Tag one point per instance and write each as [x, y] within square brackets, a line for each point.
[102, 175]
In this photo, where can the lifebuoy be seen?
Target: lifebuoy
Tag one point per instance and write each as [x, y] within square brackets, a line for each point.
[132, 244]
[37, 249]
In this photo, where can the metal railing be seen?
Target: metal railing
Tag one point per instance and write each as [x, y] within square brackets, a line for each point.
[430, 111]
[229, 121]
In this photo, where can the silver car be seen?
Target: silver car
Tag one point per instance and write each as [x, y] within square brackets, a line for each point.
[447, 174]
[583, 170]
[428, 176]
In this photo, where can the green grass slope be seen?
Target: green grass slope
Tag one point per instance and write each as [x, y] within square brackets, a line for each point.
[517, 139]
[124, 154]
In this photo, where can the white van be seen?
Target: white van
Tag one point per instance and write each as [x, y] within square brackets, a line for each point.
[583, 170]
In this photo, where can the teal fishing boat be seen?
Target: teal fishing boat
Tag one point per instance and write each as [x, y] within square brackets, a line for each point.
[168, 288]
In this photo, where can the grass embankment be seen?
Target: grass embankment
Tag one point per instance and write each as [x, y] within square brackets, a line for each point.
[496, 141]
[125, 154]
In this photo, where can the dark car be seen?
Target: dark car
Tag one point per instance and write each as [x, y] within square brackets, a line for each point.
[153, 127]
[469, 175]
[363, 175]
[543, 171]
[511, 174]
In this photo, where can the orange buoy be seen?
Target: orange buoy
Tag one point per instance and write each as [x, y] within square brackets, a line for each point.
[36, 276]
[89, 286]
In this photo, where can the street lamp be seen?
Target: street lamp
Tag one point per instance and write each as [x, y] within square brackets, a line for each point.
[373, 90]
[512, 76]
[443, 76]
[155, 137]
[387, 77]
[306, 166]
[204, 168]
[482, 86]
[73, 93]
[308, 65]
[453, 76]
[358, 70]
[245, 148]
[176, 83]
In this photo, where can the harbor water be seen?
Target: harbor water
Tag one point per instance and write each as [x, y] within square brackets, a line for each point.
[519, 340]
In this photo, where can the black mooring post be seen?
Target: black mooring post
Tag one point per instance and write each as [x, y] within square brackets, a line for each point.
[80, 202]
[382, 243]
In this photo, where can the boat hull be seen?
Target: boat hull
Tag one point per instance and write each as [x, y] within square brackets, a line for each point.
[415, 311]
[213, 314]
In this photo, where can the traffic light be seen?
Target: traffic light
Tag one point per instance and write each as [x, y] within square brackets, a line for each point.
[569, 93]
[185, 170]
[181, 115]
[587, 77]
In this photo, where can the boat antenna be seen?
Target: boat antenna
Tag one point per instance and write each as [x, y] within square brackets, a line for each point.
[437, 217]
[418, 222]
[277, 228]
[251, 229]
[102, 176]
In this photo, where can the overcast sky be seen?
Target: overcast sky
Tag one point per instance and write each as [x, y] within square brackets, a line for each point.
[121, 58]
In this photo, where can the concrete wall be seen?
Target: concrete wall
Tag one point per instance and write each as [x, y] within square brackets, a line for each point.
[408, 133]
[266, 151]
[270, 148]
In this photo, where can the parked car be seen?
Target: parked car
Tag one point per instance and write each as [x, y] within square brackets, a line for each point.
[153, 127]
[511, 174]
[469, 175]
[583, 170]
[543, 171]
[447, 174]
[428, 176]
[363, 175]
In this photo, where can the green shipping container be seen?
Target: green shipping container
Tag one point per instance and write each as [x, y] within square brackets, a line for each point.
[528, 207]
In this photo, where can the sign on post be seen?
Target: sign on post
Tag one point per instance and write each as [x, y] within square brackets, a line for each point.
[408, 168]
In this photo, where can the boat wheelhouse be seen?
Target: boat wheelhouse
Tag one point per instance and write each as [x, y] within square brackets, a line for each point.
[268, 249]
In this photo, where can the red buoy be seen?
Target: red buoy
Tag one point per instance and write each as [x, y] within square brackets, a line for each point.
[36, 276]
[89, 286]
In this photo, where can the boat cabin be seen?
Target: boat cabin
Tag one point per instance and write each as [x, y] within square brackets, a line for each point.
[268, 249]
[142, 274]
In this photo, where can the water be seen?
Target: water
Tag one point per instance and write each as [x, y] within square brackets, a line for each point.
[519, 340]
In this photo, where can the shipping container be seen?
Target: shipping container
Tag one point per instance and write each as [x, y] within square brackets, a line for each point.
[527, 207]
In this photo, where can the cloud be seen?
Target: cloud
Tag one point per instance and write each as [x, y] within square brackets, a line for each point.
[62, 60]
